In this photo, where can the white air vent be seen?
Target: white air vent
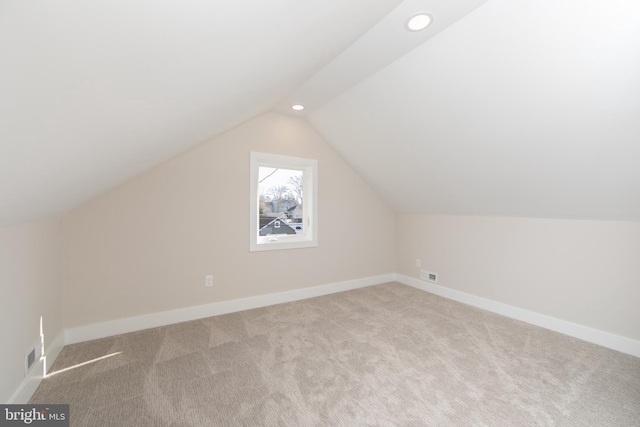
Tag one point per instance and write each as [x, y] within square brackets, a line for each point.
[429, 276]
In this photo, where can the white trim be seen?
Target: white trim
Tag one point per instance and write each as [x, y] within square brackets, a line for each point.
[131, 324]
[585, 333]
[309, 236]
[31, 382]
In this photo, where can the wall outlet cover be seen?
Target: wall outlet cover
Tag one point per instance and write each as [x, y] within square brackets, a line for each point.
[208, 281]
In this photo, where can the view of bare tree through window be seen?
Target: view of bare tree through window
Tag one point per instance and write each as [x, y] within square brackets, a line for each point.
[280, 201]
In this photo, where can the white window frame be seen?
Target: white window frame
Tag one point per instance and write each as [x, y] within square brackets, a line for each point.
[309, 236]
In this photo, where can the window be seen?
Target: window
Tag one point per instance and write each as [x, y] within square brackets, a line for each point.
[284, 202]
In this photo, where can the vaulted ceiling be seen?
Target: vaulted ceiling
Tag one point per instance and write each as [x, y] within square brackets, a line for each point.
[521, 108]
[503, 107]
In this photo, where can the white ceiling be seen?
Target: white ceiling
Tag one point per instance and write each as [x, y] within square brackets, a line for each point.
[519, 108]
[380, 46]
[93, 93]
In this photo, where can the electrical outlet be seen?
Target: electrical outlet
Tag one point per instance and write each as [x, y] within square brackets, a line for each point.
[418, 263]
[208, 281]
[429, 276]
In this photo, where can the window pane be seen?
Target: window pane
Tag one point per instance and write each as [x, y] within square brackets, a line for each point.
[283, 203]
[280, 201]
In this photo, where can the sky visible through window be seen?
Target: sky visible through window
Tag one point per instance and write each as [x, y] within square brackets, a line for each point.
[277, 177]
[269, 177]
[280, 196]
[284, 202]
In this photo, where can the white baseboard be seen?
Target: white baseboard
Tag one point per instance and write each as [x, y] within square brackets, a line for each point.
[37, 373]
[132, 324]
[595, 336]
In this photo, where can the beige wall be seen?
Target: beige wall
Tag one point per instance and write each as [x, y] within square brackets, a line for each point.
[146, 246]
[585, 272]
[30, 262]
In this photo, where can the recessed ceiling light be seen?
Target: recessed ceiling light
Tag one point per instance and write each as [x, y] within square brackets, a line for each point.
[419, 21]
[297, 107]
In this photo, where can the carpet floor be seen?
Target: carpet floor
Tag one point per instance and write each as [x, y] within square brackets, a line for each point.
[387, 355]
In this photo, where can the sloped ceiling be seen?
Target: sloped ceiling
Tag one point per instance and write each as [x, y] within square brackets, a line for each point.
[518, 108]
[93, 93]
[521, 108]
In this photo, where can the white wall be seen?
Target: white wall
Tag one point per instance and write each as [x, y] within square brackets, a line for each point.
[585, 272]
[146, 246]
[30, 263]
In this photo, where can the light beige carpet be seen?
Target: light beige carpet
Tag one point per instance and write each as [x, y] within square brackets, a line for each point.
[388, 355]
